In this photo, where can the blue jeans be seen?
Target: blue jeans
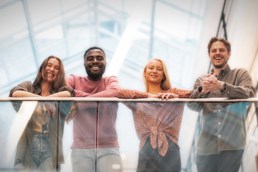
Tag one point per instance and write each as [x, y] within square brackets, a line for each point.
[41, 153]
[96, 160]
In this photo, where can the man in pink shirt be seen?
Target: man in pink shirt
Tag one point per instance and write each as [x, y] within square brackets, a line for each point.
[95, 144]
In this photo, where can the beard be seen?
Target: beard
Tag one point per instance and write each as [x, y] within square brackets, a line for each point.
[95, 76]
[220, 66]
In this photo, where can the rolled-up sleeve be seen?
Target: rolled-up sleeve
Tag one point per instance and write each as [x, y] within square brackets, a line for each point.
[244, 88]
[69, 89]
[24, 86]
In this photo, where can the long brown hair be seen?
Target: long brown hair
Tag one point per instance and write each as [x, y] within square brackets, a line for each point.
[60, 79]
[165, 83]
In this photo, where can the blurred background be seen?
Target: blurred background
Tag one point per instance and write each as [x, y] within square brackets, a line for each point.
[131, 32]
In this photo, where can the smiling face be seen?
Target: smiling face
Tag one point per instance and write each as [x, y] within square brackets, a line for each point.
[95, 64]
[50, 72]
[154, 72]
[219, 55]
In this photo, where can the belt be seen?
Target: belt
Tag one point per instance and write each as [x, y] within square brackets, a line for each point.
[41, 133]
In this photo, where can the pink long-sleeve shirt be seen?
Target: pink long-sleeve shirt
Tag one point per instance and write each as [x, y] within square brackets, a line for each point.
[94, 124]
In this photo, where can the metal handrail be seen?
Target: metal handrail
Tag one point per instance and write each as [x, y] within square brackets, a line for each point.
[90, 99]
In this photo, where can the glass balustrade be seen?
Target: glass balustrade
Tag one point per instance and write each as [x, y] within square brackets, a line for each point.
[50, 127]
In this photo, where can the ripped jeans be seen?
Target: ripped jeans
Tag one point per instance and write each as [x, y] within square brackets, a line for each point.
[41, 153]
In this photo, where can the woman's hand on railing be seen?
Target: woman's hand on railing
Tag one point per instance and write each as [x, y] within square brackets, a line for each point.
[166, 96]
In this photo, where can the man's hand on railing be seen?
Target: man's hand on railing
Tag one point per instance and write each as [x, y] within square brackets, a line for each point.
[72, 113]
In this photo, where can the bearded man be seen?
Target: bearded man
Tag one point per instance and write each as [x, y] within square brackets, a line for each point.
[95, 144]
[223, 134]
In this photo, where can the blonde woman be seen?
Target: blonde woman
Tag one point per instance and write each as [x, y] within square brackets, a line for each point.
[158, 123]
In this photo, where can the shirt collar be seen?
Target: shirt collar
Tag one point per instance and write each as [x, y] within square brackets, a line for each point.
[222, 72]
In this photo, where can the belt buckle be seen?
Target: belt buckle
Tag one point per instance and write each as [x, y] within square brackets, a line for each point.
[45, 128]
[45, 133]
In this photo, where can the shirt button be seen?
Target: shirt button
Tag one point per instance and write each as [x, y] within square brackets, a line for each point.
[219, 136]
[219, 123]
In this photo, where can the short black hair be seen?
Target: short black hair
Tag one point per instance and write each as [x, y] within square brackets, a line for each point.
[93, 48]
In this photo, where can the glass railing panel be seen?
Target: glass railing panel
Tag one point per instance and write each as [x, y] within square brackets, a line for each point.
[134, 129]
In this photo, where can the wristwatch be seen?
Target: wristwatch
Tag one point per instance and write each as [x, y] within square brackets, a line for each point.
[223, 88]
